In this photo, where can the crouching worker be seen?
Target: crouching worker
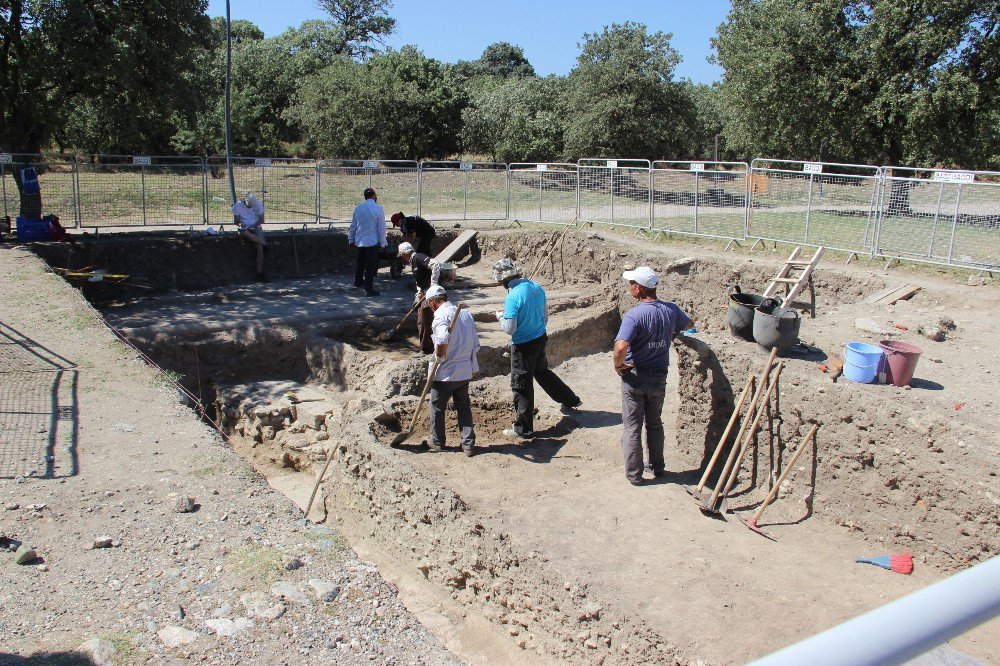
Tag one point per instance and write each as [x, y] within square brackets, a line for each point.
[456, 352]
[415, 229]
[642, 355]
[248, 214]
[426, 273]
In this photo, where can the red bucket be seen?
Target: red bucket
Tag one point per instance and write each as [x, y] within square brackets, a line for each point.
[901, 360]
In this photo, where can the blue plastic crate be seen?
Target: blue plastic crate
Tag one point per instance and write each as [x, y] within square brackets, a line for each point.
[33, 230]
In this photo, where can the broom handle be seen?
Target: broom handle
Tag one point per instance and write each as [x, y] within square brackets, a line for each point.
[743, 426]
[761, 408]
[433, 372]
[788, 468]
[725, 435]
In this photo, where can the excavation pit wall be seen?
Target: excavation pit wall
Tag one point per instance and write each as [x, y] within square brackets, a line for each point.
[885, 470]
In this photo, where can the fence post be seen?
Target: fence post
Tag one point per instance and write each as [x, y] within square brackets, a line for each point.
[809, 197]
[937, 215]
[649, 189]
[204, 190]
[420, 188]
[697, 184]
[319, 188]
[954, 224]
[142, 190]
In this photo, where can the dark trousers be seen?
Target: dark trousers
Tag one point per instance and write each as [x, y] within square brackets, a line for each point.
[424, 245]
[440, 393]
[643, 392]
[364, 274]
[425, 318]
[528, 364]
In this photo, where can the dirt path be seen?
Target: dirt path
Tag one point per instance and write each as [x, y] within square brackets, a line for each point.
[725, 594]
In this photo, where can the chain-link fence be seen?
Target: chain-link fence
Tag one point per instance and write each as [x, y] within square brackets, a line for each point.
[814, 203]
[615, 192]
[463, 190]
[342, 184]
[127, 190]
[932, 216]
[543, 192]
[700, 198]
[941, 217]
[56, 178]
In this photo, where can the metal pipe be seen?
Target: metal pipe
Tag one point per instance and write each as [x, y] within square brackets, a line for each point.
[937, 216]
[696, 188]
[954, 224]
[229, 77]
[905, 628]
[809, 198]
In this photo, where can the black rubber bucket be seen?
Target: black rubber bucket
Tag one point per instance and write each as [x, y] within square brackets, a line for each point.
[739, 316]
[775, 326]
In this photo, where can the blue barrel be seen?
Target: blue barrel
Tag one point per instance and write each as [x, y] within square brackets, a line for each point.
[862, 362]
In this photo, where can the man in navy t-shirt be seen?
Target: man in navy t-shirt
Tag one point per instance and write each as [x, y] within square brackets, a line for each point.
[642, 355]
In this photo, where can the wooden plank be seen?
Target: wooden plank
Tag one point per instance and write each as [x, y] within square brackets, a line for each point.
[901, 294]
[456, 245]
[882, 293]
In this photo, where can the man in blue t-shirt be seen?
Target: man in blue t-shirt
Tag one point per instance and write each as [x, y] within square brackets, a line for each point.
[642, 355]
[524, 317]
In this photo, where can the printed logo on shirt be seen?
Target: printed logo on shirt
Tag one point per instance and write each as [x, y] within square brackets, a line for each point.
[656, 344]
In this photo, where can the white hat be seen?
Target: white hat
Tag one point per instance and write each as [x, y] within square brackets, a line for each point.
[644, 275]
[404, 248]
[435, 291]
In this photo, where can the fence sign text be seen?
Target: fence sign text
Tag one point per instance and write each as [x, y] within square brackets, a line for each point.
[262, 161]
[697, 166]
[6, 158]
[954, 177]
[812, 167]
[465, 166]
[541, 167]
[369, 164]
[612, 164]
[142, 161]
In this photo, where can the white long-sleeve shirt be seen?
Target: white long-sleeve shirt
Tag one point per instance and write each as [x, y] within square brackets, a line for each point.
[367, 225]
[463, 343]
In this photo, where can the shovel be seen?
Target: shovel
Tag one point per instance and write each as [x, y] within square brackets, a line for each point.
[401, 437]
[388, 335]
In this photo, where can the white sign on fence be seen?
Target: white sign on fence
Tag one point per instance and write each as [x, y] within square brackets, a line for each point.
[612, 164]
[142, 161]
[541, 167]
[262, 161]
[6, 158]
[465, 166]
[697, 166]
[812, 167]
[954, 177]
[369, 164]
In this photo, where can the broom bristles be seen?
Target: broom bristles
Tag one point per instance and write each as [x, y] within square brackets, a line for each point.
[901, 563]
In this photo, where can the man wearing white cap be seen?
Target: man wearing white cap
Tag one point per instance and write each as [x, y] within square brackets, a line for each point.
[642, 356]
[458, 349]
[248, 214]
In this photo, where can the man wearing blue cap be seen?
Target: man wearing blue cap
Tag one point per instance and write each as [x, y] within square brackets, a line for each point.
[642, 356]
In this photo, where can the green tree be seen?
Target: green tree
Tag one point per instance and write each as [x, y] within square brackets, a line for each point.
[622, 99]
[517, 120]
[362, 25]
[876, 81]
[121, 62]
[395, 105]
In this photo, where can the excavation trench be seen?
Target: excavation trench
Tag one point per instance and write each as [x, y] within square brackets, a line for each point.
[541, 550]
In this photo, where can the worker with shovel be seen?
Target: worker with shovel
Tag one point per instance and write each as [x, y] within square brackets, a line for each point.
[248, 214]
[455, 348]
[524, 318]
[641, 356]
[426, 273]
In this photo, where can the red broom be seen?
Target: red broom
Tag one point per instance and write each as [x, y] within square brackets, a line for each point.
[902, 564]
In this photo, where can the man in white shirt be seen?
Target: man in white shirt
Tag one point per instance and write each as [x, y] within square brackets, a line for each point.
[456, 353]
[367, 233]
[248, 214]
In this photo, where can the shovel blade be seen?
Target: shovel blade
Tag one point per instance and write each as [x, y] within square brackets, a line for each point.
[400, 438]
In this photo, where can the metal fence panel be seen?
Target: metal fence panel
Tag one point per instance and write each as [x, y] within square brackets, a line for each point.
[814, 203]
[543, 192]
[463, 190]
[286, 186]
[940, 216]
[134, 190]
[615, 192]
[700, 198]
[342, 184]
[56, 177]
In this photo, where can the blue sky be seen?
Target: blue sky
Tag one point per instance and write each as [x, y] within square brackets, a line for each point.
[547, 30]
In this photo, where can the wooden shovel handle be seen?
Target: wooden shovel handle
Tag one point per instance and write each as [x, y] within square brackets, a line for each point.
[761, 409]
[729, 428]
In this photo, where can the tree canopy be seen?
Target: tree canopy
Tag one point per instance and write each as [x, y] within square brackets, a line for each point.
[873, 81]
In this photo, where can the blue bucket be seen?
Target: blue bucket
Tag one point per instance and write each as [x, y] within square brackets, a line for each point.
[862, 362]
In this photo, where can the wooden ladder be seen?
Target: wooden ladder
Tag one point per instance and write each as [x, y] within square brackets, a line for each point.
[794, 284]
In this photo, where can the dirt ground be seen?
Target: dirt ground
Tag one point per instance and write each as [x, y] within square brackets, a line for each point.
[542, 551]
